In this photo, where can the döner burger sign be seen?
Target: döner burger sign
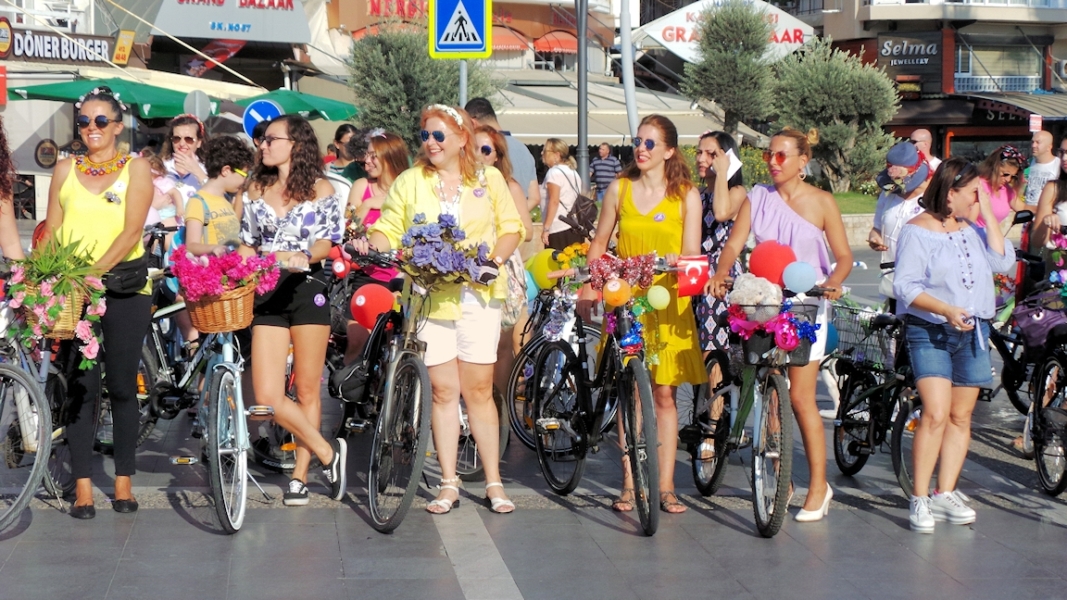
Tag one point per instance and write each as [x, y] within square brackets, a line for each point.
[42, 46]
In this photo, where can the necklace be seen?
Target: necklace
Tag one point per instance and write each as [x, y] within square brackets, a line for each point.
[93, 169]
[449, 206]
[963, 253]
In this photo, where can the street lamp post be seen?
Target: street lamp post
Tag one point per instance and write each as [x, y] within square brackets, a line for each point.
[582, 11]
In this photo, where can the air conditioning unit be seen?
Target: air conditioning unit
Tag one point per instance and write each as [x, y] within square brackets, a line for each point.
[1060, 68]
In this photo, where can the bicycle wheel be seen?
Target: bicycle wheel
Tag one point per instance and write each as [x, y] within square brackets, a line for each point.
[60, 480]
[227, 455]
[909, 418]
[642, 445]
[853, 423]
[469, 465]
[1048, 437]
[710, 430]
[772, 456]
[26, 427]
[399, 446]
[561, 434]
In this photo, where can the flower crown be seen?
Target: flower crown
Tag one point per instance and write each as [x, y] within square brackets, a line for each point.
[448, 110]
[199, 123]
[376, 132]
[97, 92]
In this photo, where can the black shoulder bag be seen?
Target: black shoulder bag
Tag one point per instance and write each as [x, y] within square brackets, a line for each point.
[582, 215]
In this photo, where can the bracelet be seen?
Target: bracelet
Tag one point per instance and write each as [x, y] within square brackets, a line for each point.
[306, 253]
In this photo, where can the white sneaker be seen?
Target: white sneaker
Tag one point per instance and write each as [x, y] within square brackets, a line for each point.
[949, 506]
[921, 519]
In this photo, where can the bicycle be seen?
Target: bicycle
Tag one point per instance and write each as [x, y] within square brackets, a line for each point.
[1048, 423]
[569, 423]
[393, 395]
[761, 391]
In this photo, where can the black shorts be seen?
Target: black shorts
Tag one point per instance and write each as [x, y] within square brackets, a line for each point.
[298, 299]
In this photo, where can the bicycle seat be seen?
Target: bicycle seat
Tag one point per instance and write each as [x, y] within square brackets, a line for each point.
[885, 321]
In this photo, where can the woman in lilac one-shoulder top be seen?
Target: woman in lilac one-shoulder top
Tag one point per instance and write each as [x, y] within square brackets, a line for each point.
[804, 218]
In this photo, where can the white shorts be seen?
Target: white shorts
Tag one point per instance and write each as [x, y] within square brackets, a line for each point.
[473, 338]
[818, 347]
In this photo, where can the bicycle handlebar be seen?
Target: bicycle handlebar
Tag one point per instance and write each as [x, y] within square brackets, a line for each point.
[372, 257]
[581, 274]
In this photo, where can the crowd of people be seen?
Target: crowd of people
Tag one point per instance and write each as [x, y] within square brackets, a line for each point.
[276, 197]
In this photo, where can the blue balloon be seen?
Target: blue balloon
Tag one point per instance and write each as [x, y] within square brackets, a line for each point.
[531, 287]
[831, 338]
[799, 277]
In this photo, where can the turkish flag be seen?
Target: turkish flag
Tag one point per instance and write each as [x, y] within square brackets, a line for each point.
[692, 275]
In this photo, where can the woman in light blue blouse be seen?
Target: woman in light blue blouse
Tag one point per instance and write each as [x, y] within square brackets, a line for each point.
[948, 301]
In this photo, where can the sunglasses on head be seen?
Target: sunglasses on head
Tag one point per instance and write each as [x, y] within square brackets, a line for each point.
[438, 136]
[100, 121]
[779, 156]
[176, 139]
[487, 150]
[649, 144]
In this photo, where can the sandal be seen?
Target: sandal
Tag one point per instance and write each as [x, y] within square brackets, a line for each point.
[444, 505]
[668, 503]
[501, 506]
[621, 504]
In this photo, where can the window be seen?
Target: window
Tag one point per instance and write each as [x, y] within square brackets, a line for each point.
[963, 60]
[998, 61]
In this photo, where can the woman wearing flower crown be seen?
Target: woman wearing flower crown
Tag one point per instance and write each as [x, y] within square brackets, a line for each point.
[183, 156]
[10, 243]
[805, 218]
[463, 328]
[290, 209]
[100, 200]
[657, 209]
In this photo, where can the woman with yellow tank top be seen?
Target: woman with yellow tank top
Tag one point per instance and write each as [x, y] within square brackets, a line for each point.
[657, 209]
[100, 200]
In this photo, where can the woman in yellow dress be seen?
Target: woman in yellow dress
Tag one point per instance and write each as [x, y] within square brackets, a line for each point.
[657, 209]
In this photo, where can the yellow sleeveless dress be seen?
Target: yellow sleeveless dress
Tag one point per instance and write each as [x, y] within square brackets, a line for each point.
[671, 345]
[94, 221]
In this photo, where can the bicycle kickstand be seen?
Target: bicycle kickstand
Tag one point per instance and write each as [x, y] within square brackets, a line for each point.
[266, 496]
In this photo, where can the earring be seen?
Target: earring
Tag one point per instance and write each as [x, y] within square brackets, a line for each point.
[803, 175]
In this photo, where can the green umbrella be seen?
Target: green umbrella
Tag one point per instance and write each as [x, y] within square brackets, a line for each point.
[306, 105]
[149, 101]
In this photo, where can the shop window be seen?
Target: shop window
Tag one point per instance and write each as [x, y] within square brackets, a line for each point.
[963, 60]
[996, 61]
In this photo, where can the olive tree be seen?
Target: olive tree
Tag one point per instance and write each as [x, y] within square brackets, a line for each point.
[732, 70]
[394, 78]
[847, 101]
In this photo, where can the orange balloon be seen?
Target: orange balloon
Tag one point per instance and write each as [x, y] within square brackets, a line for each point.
[616, 292]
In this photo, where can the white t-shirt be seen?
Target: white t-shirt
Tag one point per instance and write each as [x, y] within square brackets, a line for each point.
[1039, 175]
[933, 162]
[569, 183]
[890, 215]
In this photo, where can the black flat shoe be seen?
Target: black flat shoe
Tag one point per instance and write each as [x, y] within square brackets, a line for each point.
[124, 506]
[83, 512]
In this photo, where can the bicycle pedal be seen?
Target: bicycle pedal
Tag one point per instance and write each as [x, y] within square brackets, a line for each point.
[197, 433]
[547, 425]
[260, 411]
[357, 425]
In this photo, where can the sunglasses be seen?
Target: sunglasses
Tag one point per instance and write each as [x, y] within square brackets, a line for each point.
[649, 144]
[241, 172]
[779, 156]
[438, 136]
[487, 150]
[1010, 177]
[1060, 151]
[100, 121]
[176, 139]
[268, 140]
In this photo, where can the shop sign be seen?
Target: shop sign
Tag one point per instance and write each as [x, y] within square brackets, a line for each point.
[46, 154]
[279, 21]
[404, 9]
[123, 47]
[42, 46]
[679, 31]
[911, 54]
[5, 37]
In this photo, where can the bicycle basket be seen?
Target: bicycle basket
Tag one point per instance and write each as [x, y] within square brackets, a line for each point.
[756, 349]
[858, 341]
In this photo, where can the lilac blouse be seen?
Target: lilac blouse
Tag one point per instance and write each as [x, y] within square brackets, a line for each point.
[773, 219]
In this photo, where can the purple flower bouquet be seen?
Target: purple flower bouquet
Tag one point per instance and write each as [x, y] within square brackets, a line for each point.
[433, 254]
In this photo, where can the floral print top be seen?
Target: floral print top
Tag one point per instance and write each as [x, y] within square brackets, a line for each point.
[301, 227]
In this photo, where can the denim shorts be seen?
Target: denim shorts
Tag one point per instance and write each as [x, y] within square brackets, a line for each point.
[938, 350]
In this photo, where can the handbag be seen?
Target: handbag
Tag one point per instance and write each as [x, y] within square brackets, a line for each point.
[583, 213]
[885, 285]
[513, 268]
[1037, 316]
[127, 277]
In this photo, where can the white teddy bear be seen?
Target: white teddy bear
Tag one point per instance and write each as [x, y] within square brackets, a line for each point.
[760, 299]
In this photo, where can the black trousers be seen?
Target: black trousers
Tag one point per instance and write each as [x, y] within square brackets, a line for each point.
[125, 325]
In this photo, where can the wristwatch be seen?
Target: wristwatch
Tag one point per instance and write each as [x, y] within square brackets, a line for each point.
[499, 260]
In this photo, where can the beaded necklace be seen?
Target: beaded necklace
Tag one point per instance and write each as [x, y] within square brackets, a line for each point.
[103, 168]
[449, 206]
[963, 253]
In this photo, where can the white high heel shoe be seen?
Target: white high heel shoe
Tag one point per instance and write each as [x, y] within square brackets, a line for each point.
[809, 516]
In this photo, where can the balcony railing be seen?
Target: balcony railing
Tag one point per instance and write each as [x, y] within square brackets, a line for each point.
[61, 15]
[1020, 3]
[1004, 83]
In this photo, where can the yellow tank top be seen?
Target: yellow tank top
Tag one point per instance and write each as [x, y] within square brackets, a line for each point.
[93, 220]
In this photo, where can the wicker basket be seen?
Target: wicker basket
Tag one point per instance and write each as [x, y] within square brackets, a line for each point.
[220, 314]
[68, 316]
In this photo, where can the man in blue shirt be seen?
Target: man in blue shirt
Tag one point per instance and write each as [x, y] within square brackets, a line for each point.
[603, 169]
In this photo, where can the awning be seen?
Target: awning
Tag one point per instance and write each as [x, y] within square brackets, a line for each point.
[559, 42]
[507, 39]
[1051, 106]
[934, 111]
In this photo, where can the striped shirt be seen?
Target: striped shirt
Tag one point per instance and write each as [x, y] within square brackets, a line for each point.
[604, 170]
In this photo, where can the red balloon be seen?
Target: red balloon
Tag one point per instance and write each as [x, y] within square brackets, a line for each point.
[370, 301]
[341, 268]
[769, 260]
[335, 252]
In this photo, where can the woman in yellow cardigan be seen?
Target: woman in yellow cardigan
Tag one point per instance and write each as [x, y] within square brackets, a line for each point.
[463, 328]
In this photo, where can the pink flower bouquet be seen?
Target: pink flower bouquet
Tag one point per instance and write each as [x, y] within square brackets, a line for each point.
[209, 275]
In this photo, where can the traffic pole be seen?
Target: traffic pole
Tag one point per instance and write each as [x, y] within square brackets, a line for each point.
[463, 82]
[582, 10]
[629, 93]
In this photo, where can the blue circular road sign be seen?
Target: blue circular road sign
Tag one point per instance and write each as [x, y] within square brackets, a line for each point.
[260, 110]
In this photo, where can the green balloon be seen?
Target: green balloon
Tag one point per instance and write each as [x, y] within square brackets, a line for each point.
[658, 297]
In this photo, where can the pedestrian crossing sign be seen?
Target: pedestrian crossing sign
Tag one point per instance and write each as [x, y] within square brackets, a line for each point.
[461, 28]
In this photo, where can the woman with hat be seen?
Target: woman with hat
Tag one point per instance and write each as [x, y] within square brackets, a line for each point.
[902, 182]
